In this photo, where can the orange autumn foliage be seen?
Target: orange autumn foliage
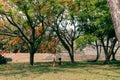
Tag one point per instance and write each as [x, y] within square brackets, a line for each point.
[25, 47]
[15, 41]
[46, 7]
[2, 0]
[38, 30]
[1, 25]
[50, 46]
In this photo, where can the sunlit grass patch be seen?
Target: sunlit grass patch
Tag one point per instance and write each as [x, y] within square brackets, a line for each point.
[66, 71]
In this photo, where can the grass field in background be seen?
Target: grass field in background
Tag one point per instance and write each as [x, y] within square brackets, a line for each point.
[67, 71]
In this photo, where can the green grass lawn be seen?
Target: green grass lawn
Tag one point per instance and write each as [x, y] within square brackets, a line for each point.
[67, 71]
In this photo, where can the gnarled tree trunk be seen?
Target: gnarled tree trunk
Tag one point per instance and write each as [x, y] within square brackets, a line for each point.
[114, 6]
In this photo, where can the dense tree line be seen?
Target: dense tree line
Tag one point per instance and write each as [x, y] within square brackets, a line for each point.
[83, 21]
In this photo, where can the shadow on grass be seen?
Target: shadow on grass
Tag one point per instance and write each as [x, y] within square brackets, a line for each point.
[25, 69]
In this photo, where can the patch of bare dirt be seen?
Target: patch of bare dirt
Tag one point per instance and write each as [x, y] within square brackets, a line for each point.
[24, 57]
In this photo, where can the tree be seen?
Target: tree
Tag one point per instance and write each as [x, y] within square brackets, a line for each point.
[107, 34]
[26, 20]
[63, 21]
[114, 6]
[98, 23]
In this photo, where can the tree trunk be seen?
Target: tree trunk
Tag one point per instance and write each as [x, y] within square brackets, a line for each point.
[72, 58]
[31, 58]
[111, 50]
[98, 53]
[71, 53]
[107, 56]
[114, 53]
[113, 56]
[97, 57]
[113, 46]
[107, 60]
[114, 6]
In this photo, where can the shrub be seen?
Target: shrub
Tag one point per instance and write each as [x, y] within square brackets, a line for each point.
[3, 60]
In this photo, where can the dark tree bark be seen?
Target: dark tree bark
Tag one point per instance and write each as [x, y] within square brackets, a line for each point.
[114, 53]
[31, 58]
[113, 56]
[112, 48]
[71, 54]
[105, 48]
[98, 52]
[110, 51]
